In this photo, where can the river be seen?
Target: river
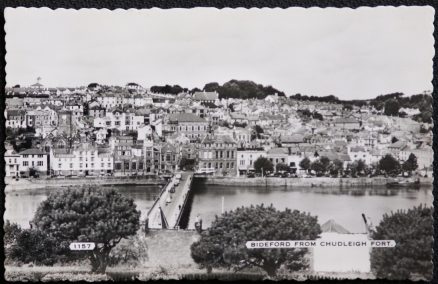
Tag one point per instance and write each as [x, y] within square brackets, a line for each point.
[343, 206]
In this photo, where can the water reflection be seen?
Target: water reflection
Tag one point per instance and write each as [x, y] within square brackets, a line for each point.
[344, 205]
[21, 206]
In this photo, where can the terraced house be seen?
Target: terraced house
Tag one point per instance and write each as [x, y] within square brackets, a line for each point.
[218, 154]
[192, 126]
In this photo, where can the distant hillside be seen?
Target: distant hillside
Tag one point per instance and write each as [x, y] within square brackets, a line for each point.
[390, 103]
[242, 90]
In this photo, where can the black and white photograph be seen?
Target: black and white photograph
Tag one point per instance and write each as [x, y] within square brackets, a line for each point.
[229, 144]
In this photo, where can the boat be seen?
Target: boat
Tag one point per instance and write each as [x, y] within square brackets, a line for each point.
[407, 183]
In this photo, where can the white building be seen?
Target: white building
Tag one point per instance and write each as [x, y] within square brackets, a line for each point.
[33, 161]
[83, 161]
[246, 159]
[12, 160]
[119, 120]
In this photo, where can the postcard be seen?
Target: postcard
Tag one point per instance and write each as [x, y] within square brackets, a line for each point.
[230, 144]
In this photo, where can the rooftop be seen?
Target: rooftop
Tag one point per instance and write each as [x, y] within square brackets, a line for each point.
[185, 117]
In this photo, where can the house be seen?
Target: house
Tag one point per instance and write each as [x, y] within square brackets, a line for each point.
[242, 136]
[38, 118]
[291, 140]
[119, 120]
[101, 135]
[246, 159]
[357, 153]
[15, 118]
[12, 161]
[218, 154]
[206, 97]
[134, 87]
[33, 161]
[400, 150]
[346, 123]
[193, 127]
[96, 111]
[83, 160]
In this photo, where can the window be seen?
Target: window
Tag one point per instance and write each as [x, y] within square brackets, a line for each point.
[101, 165]
[220, 165]
[109, 165]
[228, 165]
[80, 165]
[25, 156]
[40, 156]
[59, 165]
[71, 165]
[40, 163]
[25, 163]
[232, 165]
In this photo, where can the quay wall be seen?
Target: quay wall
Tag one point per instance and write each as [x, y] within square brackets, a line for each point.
[303, 182]
[27, 184]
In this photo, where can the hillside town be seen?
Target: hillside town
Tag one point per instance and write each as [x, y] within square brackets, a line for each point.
[131, 131]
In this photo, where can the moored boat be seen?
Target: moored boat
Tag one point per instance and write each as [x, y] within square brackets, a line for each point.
[406, 183]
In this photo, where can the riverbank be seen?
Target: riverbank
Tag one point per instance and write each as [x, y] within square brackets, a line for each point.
[324, 182]
[40, 183]
[168, 258]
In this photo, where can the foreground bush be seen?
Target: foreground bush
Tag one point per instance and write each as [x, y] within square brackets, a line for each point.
[412, 231]
[224, 243]
[102, 216]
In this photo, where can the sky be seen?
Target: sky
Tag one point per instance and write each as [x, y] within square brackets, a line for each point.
[352, 54]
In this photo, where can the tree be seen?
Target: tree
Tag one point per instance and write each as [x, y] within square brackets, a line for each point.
[389, 165]
[325, 163]
[392, 107]
[361, 166]
[411, 163]
[34, 246]
[318, 167]
[224, 243]
[305, 164]
[281, 167]
[211, 87]
[317, 115]
[102, 216]
[258, 130]
[11, 231]
[336, 167]
[264, 164]
[412, 231]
